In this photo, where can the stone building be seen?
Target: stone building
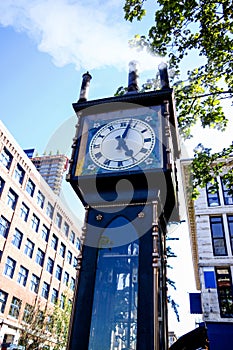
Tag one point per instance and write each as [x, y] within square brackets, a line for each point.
[39, 240]
[210, 219]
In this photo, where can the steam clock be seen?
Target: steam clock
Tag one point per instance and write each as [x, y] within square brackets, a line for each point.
[123, 170]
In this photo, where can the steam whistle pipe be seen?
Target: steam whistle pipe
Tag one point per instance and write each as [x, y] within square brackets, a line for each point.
[163, 75]
[85, 87]
[133, 77]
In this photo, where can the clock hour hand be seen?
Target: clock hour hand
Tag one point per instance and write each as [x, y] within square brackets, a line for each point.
[122, 144]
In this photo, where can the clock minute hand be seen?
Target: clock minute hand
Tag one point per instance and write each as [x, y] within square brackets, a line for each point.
[126, 130]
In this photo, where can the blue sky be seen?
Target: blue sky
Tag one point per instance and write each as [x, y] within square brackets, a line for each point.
[45, 47]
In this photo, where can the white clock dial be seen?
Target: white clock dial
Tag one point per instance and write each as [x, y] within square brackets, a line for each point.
[122, 144]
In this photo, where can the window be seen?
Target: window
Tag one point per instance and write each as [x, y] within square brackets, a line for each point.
[212, 194]
[69, 257]
[45, 233]
[45, 290]
[28, 313]
[218, 236]
[75, 262]
[78, 243]
[35, 223]
[72, 237]
[10, 267]
[62, 250]
[224, 286]
[22, 276]
[58, 220]
[24, 212]
[230, 227]
[35, 281]
[227, 192]
[4, 227]
[66, 229]
[40, 257]
[2, 183]
[30, 188]
[15, 307]
[17, 239]
[62, 301]
[3, 300]
[29, 248]
[54, 242]
[49, 210]
[40, 199]
[12, 198]
[72, 283]
[66, 278]
[50, 264]
[54, 296]
[19, 174]
[6, 158]
[58, 272]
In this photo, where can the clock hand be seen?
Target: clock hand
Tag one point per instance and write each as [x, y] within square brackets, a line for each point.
[122, 144]
[126, 130]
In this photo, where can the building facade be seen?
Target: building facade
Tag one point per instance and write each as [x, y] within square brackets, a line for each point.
[39, 240]
[210, 220]
[52, 168]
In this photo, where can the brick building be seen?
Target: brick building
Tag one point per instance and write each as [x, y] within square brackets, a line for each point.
[39, 240]
[210, 220]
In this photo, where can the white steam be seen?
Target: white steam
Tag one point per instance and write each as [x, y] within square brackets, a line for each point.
[88, 34]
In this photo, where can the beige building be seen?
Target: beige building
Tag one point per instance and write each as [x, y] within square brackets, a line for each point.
[39, 240]
[210, 219]
[52, 168]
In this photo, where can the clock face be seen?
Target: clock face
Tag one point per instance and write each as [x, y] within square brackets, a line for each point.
[122, 144]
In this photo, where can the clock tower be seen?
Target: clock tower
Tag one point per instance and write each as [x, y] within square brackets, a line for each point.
[123, 170]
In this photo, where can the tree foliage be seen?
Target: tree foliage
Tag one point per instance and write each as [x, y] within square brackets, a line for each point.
[45, 327]
[202, 29]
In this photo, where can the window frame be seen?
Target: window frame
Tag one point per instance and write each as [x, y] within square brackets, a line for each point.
[22, 275]
[40, 199]
[3, 300]
[213, 199]
[40, 256]
[12, 198]
[9, 268]
[29, 248]
[17, 238]
[19, 173]
[45, 290]
[217, 238]
[15, 307]
[6, 158]
[226, 197]
[34, 283]
[225, 292]
[4, 228]
[30, 187]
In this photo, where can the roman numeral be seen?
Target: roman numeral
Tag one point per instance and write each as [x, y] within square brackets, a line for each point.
[123, 124]
[98, 155]
[102, 136]
[143, 131]
[96, 146]
[147, 140]
[120, 163]
[110, 127]
[143, 150]
[107, 162]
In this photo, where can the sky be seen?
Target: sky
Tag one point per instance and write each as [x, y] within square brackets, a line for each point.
[45, 47]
